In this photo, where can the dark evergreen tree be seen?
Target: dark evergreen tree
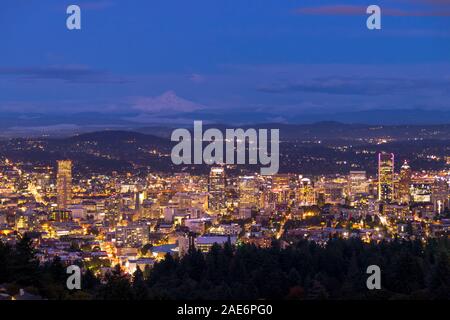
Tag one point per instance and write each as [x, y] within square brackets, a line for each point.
[139, 288]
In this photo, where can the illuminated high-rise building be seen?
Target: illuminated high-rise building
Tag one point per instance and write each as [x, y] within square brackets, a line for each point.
[357, 183]
[421, 191]
[306, 194]
[440, 196]
[283, 188]
[385, 177]
[216, 189]
[404, 186]
[248, 192]
[64, 184]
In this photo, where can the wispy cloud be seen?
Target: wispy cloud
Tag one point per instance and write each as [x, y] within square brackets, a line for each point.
[434, 2]
[345, 10]
[359, 86]
[68, 73]
[351, 10]
[197, 78]
[96, 5]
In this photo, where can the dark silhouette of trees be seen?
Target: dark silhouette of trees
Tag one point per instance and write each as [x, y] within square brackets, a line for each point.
[303, 270]
[306, 271]
[117, 286]
[139, 288]
[24, 264]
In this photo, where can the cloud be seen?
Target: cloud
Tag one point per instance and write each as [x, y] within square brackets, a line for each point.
[56, 127]
[435, 33]
[68, 73]
[351, 10]
[96, 5]
[359, 86]
[416, 13]
[197, 78]
[332, 10]
[435, 2]
[167, 102]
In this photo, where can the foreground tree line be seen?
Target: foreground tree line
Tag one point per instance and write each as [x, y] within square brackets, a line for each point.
[304, 270]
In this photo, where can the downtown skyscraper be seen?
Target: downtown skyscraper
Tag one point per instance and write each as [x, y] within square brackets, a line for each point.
[216, 189]
[404, 193]
[64, 184]
[386, 177]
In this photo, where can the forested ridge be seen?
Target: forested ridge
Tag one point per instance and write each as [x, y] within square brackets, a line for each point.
[304, 270]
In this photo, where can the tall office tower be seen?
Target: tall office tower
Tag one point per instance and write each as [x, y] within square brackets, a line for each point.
[385, 177]
[282, 186]
[216, 189]
[440, 196]
[64, 184]
[357, 183]
[404, 193]
[306, 194]
[139, 196]
[248, 192]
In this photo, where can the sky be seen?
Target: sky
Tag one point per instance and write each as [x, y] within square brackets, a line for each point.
[165, 61]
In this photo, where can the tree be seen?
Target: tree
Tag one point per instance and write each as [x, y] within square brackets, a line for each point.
[89, 280]
[317, 291]
[439, 284]
[5, 262]
[117, 286]
[25, 264]
[294, 278]
[140, 290]
[57, 270]
[146, 248]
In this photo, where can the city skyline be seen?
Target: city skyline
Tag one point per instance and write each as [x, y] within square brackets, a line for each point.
[244, 151]
[129, 222]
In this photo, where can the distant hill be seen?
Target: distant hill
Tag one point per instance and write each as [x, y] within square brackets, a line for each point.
[331, 130]
[116, 137]
[103, 151]
[382, 116]
[301, 152]
[14, 124]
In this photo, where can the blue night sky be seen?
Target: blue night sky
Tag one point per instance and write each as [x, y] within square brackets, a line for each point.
[170, 60]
